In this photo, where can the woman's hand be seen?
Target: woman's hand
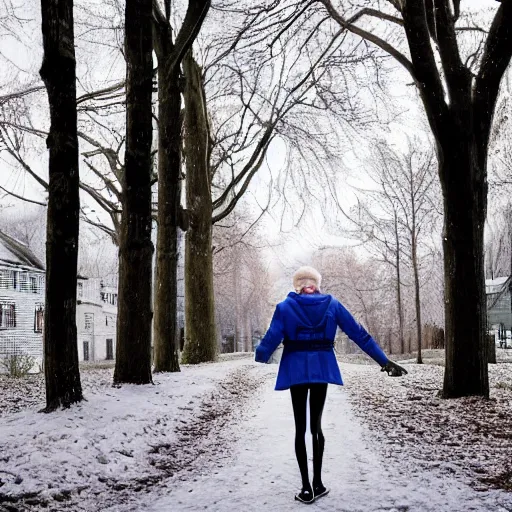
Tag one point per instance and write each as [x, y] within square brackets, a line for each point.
[393, 369]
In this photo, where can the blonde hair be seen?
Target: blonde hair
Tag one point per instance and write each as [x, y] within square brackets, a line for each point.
[306, 276]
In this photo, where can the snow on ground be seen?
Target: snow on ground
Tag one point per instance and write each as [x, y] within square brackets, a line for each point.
[262, 474]
[116, 439]
[469, 436]
[218, 437]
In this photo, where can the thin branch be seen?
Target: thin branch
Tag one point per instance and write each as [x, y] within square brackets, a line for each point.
[33, 201]
[381, 43]
[496, 58]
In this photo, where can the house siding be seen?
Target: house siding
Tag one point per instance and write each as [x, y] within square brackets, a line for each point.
[24, 288]
[96, 319]
[499, 302]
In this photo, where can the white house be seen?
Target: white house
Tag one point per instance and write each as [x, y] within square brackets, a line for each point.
[22, 290]
[21, 300]
[96, 317]
[22, 294]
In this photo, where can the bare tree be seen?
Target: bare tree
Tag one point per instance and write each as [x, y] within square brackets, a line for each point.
[459, 97]
[170, 53]
[247, 100]
[362, 285]
[200, 333]
[382, 236]
[133, 348]
[242, 282]
[406, 195]
[58, 72]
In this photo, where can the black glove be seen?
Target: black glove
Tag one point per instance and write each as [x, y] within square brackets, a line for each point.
[393, 369]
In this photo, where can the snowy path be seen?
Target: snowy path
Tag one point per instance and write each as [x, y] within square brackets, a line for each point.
[217, 437]
[261, 472]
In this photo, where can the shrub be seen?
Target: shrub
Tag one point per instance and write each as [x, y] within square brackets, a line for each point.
[18, 365]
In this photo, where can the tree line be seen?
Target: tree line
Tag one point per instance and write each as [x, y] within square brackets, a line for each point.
[286, 71]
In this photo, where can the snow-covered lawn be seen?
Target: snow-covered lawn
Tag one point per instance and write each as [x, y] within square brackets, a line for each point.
[468, 436]
[218, 437]
[119, 438]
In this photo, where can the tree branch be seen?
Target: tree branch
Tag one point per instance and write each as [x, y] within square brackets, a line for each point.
[25, 166]
[457, 76]
[109, 231]
[107, 205]
[372, 38]
[426, 74]
[496, 58]
[262, 144]
[231, 206]
[196, 13]
[33, 201]
[100, 92]
[15, 95]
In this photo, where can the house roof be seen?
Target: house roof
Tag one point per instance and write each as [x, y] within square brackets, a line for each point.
[14, 252]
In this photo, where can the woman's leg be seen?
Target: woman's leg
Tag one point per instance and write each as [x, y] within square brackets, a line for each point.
[299, 401]
[317, 396]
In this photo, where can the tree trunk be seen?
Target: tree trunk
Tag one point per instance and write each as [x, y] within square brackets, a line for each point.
[169, 192]
[419, 359]
[462, 175]
[414, 257]
[200, 332]
[491, 343]
[399, 291]
[390, 342]
[58, 72]
[248, 333]
[133, 351]
[237, 296]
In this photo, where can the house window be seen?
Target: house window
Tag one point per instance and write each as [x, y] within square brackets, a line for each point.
[109, 298]
[7, 315]
[80, 290]
[86, 351]
[110, 349]
[7, 279]
[23, 282]
[39, 318]
[89, 319]
[33, 284]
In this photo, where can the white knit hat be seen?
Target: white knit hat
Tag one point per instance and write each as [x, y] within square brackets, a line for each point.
[306, 276]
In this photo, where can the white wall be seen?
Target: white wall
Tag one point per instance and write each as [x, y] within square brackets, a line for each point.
[23, 339]
[102, 328]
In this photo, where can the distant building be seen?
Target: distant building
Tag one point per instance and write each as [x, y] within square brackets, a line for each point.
[499, 308]
[22, 296]
[96, 318]
[21, 300]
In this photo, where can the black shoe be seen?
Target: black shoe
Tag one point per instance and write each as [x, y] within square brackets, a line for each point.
[305, 496]
[319, 491]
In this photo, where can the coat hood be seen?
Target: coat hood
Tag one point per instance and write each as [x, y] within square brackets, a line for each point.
[311, 310]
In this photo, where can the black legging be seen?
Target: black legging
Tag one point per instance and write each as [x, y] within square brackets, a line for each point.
[317, 394]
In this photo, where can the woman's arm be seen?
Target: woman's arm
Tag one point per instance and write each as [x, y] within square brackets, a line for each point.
[271, 340]
[358, 334]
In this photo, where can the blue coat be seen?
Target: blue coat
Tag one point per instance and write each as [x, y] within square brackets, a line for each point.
[307, 321]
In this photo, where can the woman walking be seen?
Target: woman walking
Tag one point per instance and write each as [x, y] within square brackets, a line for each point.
[306, 322]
